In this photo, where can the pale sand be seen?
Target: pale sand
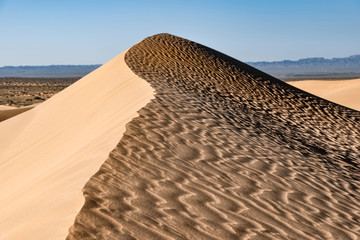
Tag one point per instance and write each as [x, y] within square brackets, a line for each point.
[343, 92]
[224, 151]
[5, 107]
[7, 112]
[50, 152]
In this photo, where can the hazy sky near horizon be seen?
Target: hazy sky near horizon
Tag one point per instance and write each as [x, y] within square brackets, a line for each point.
[45, 32]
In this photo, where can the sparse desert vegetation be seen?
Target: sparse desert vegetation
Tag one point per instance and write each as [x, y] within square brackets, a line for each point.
[27, 91]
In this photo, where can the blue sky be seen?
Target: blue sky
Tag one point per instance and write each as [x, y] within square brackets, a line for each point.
[39, 32]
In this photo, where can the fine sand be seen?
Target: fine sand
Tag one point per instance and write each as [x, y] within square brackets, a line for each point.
[5, 107]
[7, 112]
[224, 151]
[50, 152]
[343, 92]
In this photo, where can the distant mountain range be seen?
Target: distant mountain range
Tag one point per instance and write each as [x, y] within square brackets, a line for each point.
[347, 67]
[52, 71]
[312, 67]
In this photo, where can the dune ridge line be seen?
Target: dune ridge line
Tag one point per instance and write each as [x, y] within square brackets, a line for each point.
[50, 152]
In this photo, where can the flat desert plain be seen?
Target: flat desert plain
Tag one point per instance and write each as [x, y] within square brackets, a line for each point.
[174, 140]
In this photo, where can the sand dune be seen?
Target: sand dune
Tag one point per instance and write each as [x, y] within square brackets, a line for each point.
[343, 92]
[221, 151]
[224, 151]
[7, 112]
[50, 152]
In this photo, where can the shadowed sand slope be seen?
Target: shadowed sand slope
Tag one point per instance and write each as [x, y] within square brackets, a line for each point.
[224, 151]
[344, 92]
[47, 154]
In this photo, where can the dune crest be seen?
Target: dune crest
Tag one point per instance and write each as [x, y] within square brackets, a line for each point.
[50, 152]
[224, 151]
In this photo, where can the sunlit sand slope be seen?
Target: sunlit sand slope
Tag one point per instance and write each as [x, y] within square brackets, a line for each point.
[344, 92]
[224, 151]
[48, 153]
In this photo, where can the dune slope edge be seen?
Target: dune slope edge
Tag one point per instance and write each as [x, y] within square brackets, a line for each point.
[224, 151]
[344, 92]
[50, 152]
[11, 112]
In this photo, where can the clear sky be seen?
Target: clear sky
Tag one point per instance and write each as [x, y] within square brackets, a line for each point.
[45, 32]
